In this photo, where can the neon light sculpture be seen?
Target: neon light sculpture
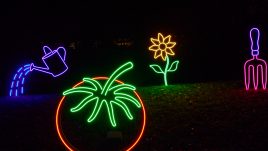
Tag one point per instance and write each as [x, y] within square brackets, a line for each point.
[16, 87]
[54, 65]
[97, 91]
[54, 61]
[162, 47]
[253, 66]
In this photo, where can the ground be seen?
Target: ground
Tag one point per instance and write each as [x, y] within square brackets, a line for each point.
[212, 116]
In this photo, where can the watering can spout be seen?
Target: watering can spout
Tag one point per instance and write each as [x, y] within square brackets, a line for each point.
[33, 67]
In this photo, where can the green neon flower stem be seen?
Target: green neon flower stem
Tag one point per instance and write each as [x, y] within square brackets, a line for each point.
[168, 68]
[165, 72]
[122, 69]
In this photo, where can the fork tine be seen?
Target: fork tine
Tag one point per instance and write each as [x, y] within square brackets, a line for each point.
[263, 70]
[265, 77]
[255, 75]
[246, 75]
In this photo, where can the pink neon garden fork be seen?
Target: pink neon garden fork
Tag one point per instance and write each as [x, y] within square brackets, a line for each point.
[254, 66]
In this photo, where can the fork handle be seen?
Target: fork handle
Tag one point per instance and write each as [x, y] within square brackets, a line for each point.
[254, 39]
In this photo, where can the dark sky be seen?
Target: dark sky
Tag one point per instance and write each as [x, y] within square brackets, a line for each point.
[212, 36]
[42, 20]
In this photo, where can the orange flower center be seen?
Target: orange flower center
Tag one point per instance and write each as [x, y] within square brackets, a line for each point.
[162, 46]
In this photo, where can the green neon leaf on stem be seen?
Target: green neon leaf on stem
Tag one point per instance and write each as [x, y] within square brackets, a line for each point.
[95, 83]
[127, 97]
[79, 90]
[173, 67]
[83, 103]
[156, 68]
[96, 91]
[122, 69]
[124, 107]
[97, 110]
[122, 87]
[111, 114]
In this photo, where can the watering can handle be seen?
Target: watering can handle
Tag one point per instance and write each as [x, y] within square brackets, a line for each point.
[62, 52]
[46, 50]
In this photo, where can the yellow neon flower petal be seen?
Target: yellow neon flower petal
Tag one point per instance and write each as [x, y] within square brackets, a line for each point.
[163, 55]
[160, 38]
[154, 47]
[171, 44]
[162, 46]
[167, 39]
[157, 54]
[170, 52]
[155, 41]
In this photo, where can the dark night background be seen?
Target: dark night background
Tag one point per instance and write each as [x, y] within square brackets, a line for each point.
[204, 108]
[212, 39]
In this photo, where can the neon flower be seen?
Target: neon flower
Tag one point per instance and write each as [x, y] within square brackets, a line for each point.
[107, 96]
[255, 66]
[162, 46]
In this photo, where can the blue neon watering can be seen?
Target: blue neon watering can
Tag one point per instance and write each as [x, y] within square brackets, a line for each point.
[54, 61]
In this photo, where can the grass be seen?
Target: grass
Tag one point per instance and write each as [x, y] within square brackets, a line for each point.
[215, 116]
[205, 116]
